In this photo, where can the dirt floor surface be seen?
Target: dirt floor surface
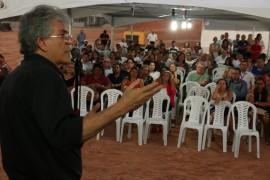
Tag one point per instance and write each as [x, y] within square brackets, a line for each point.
[107, 159]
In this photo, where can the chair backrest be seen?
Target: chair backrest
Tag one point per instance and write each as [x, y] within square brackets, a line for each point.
[82, 98]
[219, 112]
[185, 87]
[199, 91]
[181, 69]
[109, 97]
[218, 75]
[138, 113]
[243, 108]
[197, 108]
[222, 66]
[218, 69]
[158, 102]
[211, 87]
[182, 75]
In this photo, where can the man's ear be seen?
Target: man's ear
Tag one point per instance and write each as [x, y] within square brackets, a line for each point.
[42, 44]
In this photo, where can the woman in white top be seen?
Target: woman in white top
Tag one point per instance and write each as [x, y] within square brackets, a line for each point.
[214, 47]
[189, 60]
[155, 74]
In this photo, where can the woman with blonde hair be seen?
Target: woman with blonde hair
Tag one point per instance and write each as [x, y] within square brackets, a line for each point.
[168, 83]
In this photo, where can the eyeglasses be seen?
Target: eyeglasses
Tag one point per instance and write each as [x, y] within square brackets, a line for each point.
[65, 37]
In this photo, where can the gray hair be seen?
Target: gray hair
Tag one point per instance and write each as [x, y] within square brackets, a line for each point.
[201, 63]
[38, 24]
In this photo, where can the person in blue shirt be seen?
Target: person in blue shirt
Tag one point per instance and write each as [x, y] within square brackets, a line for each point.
[237, 85]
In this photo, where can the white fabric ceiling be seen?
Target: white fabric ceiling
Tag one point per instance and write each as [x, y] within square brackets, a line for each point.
[247, 12]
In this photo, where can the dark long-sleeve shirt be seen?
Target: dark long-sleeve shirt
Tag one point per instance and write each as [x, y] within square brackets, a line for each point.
[40, 136]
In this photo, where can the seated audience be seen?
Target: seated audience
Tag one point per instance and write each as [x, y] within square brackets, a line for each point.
[247, 76]
[221, 59]
[167, 81]
[147, 79]
[107, 66]
[223, 93]
[152, 71]
[134, 74]
[259, 70]
[200, 76]
[260, 97]
[176, 77]
[97, 80]
[237, 85]
[117, 77]
[69, 75]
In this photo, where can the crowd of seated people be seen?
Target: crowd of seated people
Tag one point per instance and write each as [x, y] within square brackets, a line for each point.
[241, 60]
[245, 68]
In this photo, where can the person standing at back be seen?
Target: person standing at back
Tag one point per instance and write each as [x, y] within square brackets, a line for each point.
[81, 37]
[41, 138]
[152, 37]
[104, 38]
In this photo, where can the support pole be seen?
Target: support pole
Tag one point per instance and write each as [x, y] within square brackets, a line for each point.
[112, 35]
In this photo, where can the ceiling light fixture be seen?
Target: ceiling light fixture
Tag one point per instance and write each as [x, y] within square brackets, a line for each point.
[174, 24]
[189, 24]
[186, 24]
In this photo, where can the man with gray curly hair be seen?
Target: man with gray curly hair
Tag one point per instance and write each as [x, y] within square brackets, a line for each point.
[199, 76]
[41, 137]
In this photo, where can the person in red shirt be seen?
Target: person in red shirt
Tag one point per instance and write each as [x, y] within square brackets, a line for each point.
[134, 74]
[255, 50]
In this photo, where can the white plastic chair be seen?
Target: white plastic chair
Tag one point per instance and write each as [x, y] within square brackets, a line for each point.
[218, 75]
[182, 75]
[242, 128]
[222, 66]
[199, 91]
[183, 90]
[211, 87]
[157, 116]
[108, 98]
[135, 118]
[218, 69]
[218, 123]
[199, 110]
[181, 69]
[82, 99]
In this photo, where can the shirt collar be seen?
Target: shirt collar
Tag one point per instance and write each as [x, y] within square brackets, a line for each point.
[40, 59]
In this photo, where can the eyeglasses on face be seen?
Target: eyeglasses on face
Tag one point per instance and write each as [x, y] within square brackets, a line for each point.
[65, 37]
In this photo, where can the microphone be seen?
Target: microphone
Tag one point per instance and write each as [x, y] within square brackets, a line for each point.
[75, 53]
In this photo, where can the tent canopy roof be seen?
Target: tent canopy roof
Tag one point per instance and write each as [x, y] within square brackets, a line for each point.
[250, 12]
